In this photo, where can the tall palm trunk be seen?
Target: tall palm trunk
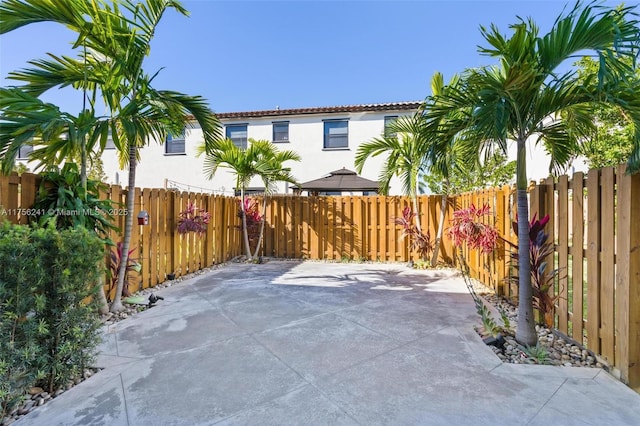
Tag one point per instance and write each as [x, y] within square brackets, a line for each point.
[443, 211]
[116, 305]
[245, 231]
[415, 209]
[525, 330]
[264, 210]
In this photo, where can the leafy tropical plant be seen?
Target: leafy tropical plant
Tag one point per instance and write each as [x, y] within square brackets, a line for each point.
[538, 353]
[193, 219]
[612, 142]
[467, 227]
[118, 34]
[413, 149]
[420, 241]
[491, 172]
[62, 199]
[115, 260]
[406, 148]
[542, 277]
[526, 99]
[254, 220]
[260, 159]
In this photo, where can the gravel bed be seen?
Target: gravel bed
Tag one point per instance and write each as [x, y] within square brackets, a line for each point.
[553, 348]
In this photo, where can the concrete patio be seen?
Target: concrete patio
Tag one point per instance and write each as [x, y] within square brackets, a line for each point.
[290, 343]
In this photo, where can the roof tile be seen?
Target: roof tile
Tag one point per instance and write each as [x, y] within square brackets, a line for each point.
[389, 106]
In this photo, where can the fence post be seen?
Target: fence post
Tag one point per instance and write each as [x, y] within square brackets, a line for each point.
[628, 279]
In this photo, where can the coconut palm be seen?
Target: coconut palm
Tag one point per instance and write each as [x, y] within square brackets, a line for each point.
[526, 99]
[119, 34]
[260, 159]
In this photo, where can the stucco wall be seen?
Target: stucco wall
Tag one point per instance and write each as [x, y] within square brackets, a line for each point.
[306, 137]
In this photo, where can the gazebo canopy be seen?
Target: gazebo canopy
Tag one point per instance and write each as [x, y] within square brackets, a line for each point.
[340, 180]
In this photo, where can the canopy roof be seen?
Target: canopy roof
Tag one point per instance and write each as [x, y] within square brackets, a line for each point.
[340, 180]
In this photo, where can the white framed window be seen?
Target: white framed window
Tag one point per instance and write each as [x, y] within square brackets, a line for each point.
[336, 134]
[175, 143]
[238, 134]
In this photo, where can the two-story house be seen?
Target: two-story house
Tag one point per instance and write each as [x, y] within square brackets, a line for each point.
[326, 138]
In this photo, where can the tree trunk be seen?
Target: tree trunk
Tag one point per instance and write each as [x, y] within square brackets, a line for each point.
[525, 330]
[264, 210]
[417, 212]
[103, 309]
[436, 247]
[116, 305]
[83, 165]
[245, 231]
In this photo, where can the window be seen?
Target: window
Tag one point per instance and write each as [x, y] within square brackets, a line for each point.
[24, 151]
[330, 193]
[389, 119]
[336, 134]
[281, 132]
[175, 144]
[238, 134]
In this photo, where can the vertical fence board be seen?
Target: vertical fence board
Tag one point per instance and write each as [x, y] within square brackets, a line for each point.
[577, 257]
[627, 298]
[563, 253]
[607, 253]
[593, 260]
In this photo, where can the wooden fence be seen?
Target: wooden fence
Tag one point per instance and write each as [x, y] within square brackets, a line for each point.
[345, 228]
[595, 226]
[159, 248]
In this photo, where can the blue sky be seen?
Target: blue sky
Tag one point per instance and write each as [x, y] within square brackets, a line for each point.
[243, 55]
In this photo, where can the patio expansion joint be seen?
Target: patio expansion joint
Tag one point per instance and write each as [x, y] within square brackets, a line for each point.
[124, 398]
[306, 383]
[547, 402]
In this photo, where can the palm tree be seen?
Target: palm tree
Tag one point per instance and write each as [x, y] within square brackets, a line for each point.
[272, 170]
[526, 98]
[262, 159]
[420, 148]
[407, 148]
[442, 156]
[120, 40]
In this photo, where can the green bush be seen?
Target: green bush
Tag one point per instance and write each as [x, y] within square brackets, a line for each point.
[62, 198]
[48, 319]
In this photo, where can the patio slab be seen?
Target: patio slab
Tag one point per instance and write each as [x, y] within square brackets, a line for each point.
[291, 343]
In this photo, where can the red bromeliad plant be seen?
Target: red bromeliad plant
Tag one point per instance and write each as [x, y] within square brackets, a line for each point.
[193, 219]
[254, 220]
[467, 227]
[115, 260]
[420, 241]
[542, 278]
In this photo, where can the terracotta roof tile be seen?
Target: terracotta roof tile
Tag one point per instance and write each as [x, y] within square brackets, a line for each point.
[390, 106]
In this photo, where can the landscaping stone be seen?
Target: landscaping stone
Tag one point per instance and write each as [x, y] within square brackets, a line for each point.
[560, 352]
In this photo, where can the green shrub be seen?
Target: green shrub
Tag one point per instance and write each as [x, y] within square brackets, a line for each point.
[48, 320]
[62, 198]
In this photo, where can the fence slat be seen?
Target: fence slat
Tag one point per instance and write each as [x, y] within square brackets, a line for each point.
[593, 260]
[577, 257]
[627, 297]
[563, 253]
[607, 222]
